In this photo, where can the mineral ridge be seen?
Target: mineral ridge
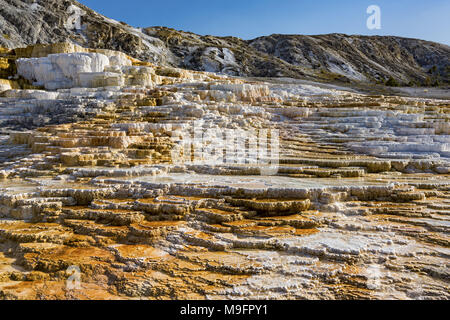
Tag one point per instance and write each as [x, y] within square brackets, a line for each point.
[103, 194]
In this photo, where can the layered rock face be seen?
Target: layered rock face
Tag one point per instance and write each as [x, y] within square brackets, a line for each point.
[30, 22]
[127, 180]
[333, 57]
[360, 58]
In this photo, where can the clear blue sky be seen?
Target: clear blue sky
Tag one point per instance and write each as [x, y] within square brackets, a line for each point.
[247, 19]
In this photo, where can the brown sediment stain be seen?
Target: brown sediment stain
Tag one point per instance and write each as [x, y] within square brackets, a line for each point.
[240, 223]
[76, 208]
[147, 201]
[141, 252]
[306, 232]
[78, 254]
[161, 224]
[263, 230]
[218, 211]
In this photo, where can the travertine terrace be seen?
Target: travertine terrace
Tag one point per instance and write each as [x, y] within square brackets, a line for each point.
[357, 209]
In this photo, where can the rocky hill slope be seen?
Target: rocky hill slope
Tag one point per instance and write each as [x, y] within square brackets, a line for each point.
[360, 57]
[324, 57]
[28, 22]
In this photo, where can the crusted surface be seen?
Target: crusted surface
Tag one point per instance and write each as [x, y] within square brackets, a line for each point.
[88, 178]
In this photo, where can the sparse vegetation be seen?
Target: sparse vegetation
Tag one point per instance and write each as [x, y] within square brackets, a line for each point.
[392, 82]
[433, 70]
[431, 82]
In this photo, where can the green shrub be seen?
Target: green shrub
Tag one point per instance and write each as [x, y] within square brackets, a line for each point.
[392, 82]
[433, 70]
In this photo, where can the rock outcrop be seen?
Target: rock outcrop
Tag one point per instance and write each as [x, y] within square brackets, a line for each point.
[29, 22]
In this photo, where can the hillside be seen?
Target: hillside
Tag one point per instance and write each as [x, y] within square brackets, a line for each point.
[324, 57]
